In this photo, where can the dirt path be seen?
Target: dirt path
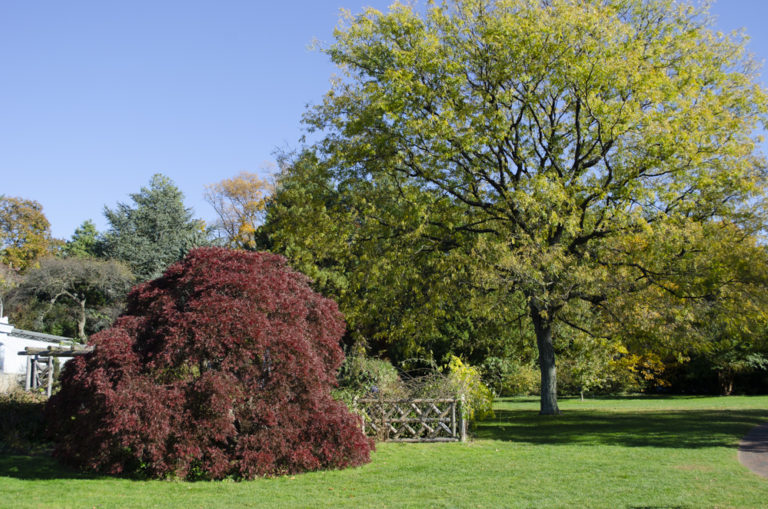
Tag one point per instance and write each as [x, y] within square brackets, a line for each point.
[753, 450]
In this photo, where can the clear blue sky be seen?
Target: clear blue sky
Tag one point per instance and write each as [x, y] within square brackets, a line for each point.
[96, 96]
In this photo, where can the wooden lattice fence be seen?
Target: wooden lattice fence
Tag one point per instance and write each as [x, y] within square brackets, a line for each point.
[413, 420]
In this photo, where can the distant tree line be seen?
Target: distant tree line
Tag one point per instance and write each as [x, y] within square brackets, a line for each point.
[77, 287]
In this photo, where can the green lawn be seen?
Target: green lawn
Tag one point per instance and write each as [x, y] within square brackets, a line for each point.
[633, 452]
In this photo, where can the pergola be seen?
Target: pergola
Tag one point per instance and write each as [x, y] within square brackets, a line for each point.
[40, 364]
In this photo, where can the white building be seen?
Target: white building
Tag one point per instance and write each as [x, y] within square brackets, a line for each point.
[13, 341]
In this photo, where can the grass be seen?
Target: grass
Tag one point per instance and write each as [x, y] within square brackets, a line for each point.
[618, 452]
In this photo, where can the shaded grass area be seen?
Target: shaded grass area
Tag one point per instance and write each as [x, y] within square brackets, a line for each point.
[633, 452]
[675, 429]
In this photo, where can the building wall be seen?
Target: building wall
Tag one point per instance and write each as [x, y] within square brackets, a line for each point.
[10, 382]
[10, 347]
[10, 360]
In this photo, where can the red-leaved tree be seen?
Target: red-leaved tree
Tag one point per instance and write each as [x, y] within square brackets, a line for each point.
[221, 367]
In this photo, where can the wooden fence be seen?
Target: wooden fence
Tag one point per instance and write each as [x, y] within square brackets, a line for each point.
[413, 420]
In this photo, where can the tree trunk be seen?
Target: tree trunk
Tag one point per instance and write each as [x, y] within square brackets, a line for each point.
[725, 378]
[543, 328]
[81, 322]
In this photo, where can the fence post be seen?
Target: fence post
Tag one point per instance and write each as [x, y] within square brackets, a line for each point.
[49, 388]
[463, 417]
[28, 382]
[358, 413]
[384, 422]
[453, 418]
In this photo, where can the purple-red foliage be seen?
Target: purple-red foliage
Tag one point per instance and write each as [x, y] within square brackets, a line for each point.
[221, 367]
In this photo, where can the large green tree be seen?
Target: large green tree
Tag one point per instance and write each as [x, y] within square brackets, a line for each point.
[85, 242]
[153, 232]
[555, 127]
[407, 292]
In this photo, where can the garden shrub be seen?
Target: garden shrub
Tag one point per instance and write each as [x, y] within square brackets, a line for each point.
[510, 377]
[366, 377]
[222, 367]
[466, 381]
[361, 376]
[22, 423]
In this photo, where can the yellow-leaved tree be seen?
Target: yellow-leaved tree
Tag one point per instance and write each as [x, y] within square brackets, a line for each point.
[554, 130]
[25, 233]
[240, 203]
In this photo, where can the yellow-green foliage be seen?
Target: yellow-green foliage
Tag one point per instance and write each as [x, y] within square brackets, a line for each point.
[563, 132]
[467, 382]
[522, 379]
[633, 372]
[511, 376]
[371, 377]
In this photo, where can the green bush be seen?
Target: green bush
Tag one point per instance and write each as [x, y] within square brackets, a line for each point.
[509, 377]
[366, 377]
[22, 423]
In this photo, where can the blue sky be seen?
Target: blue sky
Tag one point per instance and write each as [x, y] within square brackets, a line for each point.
[96, 96]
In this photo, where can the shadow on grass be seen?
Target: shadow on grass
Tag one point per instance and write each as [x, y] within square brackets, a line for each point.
[38, 467]
[669, 428]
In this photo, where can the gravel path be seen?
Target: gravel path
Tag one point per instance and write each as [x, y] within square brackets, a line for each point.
[753, 450]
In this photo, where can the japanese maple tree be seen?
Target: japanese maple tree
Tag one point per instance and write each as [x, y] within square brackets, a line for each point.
[221, 367]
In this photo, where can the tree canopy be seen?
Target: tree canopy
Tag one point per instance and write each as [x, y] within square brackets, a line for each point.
[553, 130]
[240, 203]
[87, 287]
[704, 288]
[406, 295]
[153, 232]
[85, 242]
[25, 233]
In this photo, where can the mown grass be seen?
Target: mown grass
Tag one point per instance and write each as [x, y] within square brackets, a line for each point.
[617, 452]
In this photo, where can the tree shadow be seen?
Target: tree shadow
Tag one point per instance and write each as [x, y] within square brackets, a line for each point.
[38, 468]
[659, 507]
[684, 429]
[662, 428]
